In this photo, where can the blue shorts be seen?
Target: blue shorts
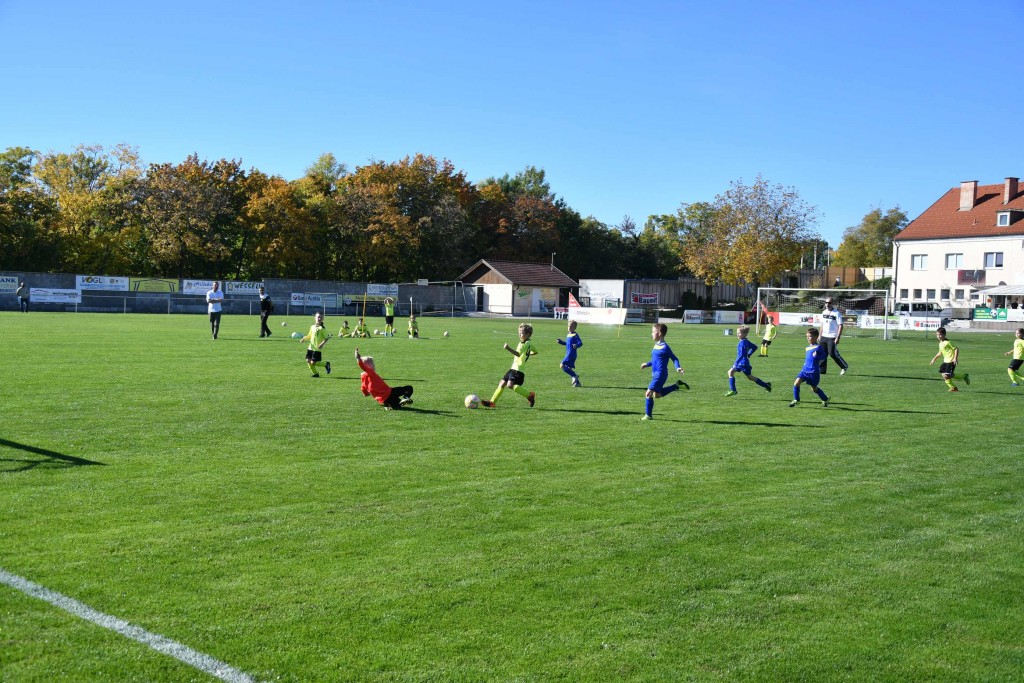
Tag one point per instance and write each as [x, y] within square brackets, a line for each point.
[812, 378]
[657, 384]
[568, 362]
[745, 368]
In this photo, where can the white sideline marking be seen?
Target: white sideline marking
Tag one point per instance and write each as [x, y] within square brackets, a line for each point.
[204, 663]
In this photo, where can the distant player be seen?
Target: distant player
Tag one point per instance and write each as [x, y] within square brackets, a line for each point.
[371, 384]
[810, 372]
[770, 330]
[389, 317]
[829, 335]
[345, 330]
[744, 350]
[660, 357]
[950, 357]
[214, 299]
[316, 337]
[361, 330]
[1018, 358]
[514, 378]
[414, 327]
[572, 343]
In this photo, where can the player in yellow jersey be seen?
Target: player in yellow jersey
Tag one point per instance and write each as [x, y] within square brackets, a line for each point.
[1018, 358]
[950, 357]
[770, 330]
[514, 378]
[317, 337]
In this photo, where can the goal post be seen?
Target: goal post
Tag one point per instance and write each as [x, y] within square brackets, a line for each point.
[866, 312]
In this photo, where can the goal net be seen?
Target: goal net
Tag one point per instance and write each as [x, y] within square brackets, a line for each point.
[865, 311]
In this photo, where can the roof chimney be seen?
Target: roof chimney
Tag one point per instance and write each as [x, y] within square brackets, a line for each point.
[968, 194]
[1010, 191]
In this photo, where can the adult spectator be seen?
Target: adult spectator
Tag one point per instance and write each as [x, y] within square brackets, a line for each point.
[214, 298]
[22, 294]
[830, 332]
[266, 308]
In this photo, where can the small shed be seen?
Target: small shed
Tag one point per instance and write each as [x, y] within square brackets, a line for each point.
[514, 288]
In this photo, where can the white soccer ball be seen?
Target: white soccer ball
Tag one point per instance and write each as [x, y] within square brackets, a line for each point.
[472, 401]
[376, 331]
[296, 335]
[446, 333]
[284, 323]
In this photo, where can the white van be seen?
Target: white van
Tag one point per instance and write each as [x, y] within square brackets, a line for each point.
[924, 309]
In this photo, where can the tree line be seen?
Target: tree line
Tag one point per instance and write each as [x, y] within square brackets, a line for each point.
[100, 211]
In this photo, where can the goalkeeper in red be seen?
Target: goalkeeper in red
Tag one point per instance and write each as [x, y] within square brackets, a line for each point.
[661, 356]
[371, 384]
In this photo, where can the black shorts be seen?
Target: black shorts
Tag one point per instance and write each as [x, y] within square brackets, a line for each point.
[514, 377]
[1015, 364]
[314, 356]
[389, 320]
[766, 342]
[947, 369]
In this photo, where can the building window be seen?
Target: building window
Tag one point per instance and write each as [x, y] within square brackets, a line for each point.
[954, 261]
[958, 294]
[993, 259]
[919, 262]
[944, 295]
[904, 293]
[1003, 219]
[931, 295]
[917, 293]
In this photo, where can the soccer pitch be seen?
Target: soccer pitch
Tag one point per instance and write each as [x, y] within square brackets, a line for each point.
[215, 494]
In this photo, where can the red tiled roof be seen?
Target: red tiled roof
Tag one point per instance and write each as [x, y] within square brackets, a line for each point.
[944, 219]
[538, 274]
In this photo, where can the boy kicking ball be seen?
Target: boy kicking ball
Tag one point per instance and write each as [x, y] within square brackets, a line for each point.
[810, 373]
[316, 337]
[744, 350]
[514, 378]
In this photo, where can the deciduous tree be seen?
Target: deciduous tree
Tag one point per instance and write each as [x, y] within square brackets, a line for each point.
[870, 243]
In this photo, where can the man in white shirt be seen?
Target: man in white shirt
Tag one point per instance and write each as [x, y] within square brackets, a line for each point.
[830, 332]
[213, 304]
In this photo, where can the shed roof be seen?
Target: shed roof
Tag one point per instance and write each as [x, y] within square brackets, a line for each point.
[517, 273]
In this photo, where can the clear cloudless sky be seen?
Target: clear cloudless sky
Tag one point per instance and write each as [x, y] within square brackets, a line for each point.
[631, 108]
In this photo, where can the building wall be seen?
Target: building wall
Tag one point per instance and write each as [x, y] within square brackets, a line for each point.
[952, 286]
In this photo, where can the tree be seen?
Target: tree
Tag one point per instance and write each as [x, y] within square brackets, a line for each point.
[25, 243]
[870, 243]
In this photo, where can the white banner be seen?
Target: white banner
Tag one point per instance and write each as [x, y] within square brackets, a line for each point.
[600, 316]
[113, 284]
[382, 290]
[196, 286]
[808, 319]
[729, 317]
[55, 296]
[243, 288]
[8, 284]
[693, 317]
[1015, 315]
[303, 299]
[907, 323]
[877, 322]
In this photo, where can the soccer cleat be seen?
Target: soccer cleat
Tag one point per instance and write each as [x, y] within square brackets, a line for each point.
[576, 382]
[954, 389]
[794, 404]
[532, 398]
[328, 366]
[967, 380]
[683, 384]
[486, 404]
[315, 376]
[405, 401]
[646, 417]
[731, 393]
[843, 371]
[1014, 384]
[768, 387]
[824, 404]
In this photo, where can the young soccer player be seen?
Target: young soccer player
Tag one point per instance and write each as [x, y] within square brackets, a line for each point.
[950, 357]
[660, 357]
[770, 330]
[744, 350]
[371, 384]
[316, 337]
[1018, 358]
[361, 330]
[572, 343]
[514, 378]
[345, 330]
[389, 317]
[414, 327]
[811, 373]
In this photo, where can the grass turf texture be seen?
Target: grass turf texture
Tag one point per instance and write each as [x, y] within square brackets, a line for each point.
[213, 493]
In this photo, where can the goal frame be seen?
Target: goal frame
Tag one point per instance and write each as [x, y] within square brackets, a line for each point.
[763, 293]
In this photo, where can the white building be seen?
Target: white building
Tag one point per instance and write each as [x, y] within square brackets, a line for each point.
[969, 242]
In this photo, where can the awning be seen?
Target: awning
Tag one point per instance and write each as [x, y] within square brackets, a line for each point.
[1004, 290]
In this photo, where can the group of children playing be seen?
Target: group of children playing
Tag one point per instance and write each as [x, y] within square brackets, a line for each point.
[360, 329]
[815, 354]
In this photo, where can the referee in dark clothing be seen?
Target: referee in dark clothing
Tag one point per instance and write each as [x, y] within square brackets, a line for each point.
[266, 308]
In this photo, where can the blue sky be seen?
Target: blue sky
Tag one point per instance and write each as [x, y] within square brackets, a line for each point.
[631, 108]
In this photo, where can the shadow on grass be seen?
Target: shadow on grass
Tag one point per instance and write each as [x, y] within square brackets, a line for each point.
[919, 379]
[743, 423]
[50, 458]
[641, 389]
[851, 408]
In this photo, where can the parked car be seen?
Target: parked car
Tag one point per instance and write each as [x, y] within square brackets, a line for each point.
[924, 309]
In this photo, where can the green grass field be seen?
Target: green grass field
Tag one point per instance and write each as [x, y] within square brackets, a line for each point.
[215, 494]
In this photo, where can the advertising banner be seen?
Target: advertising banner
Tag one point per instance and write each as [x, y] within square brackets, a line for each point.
[303, 299]
[643, 299]
[1015, 315]
[8, 284]
[694, 317]
[93, 282]
[196, 286]
[990, 314]
[55, 296]
[729, 317]
[242, 288]
[877, 322]
[153, 284]
[920, 323]
[382, 290]
[599, 316]
[809, 319]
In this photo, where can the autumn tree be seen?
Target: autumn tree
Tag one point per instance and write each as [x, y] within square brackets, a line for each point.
[870, 243]
[25, 242]
[520, 216]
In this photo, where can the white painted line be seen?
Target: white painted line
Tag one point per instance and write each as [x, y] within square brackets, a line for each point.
[204, 663]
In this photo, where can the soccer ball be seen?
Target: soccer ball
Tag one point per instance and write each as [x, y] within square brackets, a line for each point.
[376, 331]
[284, 323]
[296, 335]
[472, 401]
[446, 333]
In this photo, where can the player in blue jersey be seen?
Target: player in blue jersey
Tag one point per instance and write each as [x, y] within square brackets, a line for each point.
[660, 357]
[744, 350]
[571, 343]
[810, 373]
